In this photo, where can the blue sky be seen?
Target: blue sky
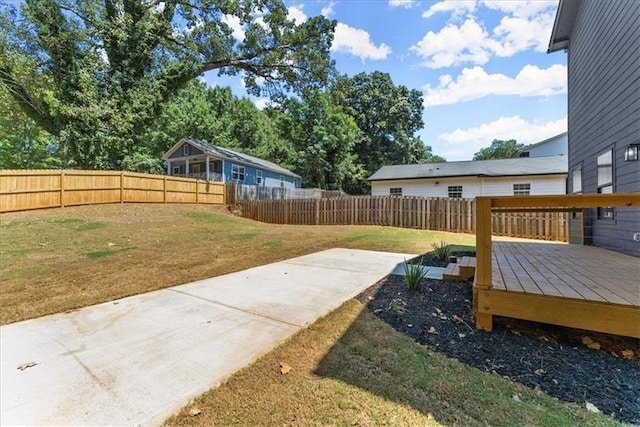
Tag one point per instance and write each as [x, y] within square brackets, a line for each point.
[482, 65]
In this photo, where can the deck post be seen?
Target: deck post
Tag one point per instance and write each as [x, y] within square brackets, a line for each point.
[483, 278]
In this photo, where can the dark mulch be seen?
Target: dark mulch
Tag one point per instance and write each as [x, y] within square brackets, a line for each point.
[431, 259]
[545, 357]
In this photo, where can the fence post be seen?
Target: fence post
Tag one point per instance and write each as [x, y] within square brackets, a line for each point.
[197, 190]
[164, 189]
[121, 186]
[62, 188]
[317, 211]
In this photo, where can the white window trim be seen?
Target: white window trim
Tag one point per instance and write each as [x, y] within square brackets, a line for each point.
[236, 170]
[185, 150]
[521, 191]
[577, 171]
[175, 170]
[282, 181]
[259, 178]
[454, 187]
[605, 213]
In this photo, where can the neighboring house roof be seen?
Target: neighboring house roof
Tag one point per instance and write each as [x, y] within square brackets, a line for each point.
[565, 17]
[539, 144]
[549, 165]
[233, 156]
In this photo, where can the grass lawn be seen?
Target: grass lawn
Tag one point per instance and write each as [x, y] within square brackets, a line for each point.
[350, 368]
[56, 260]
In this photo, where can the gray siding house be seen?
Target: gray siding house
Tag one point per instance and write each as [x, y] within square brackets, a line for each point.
[602, 40]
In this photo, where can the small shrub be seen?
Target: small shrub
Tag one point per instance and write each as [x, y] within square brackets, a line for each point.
[441, 250]
[413, 274]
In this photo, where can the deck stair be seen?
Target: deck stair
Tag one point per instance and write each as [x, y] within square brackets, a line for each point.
[464, 269]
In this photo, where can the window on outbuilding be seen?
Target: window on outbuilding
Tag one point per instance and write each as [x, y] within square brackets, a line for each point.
[259, 177]
[176, 170]
[395, 191]
[281, 181]
[605, 181]
[454, 191]
[237, 173]
[521, 189]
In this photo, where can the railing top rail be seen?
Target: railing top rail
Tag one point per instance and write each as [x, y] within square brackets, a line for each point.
[564, 201]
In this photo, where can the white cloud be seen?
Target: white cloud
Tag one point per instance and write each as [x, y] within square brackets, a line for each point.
[474, 83]
[407, 4]
[296, 14]
[357, 42]
[514, 127]
[262, 103]
[328, 10]
[234, 23]
[526, 25]
[521, 8]
[518, 34]
[457, 7]
[455, 45]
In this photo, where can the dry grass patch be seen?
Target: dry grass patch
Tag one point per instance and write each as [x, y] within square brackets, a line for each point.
[350, 368]
[61, 259]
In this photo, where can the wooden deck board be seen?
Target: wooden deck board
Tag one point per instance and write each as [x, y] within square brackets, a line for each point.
[572, 285]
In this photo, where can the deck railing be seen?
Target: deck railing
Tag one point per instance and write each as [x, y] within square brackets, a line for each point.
[486, 206]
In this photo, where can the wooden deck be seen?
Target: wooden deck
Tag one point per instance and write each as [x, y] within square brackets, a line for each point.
[571, 285]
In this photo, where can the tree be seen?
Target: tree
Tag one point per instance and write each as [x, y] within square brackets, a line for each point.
[388, 117]
[23, 145]
[499, 149]
[323, 138]
[97, 73]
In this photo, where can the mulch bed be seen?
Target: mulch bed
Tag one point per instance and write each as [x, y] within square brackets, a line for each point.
[549, 358]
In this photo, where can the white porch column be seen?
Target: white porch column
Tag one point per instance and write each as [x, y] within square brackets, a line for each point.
[186, 168]
[168, 167]
[207, 168]
[224, 178]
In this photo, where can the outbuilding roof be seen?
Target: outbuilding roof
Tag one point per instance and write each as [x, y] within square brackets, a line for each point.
[522, 166]
[233, 156]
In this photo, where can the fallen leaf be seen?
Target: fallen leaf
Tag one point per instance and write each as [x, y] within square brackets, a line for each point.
[432, 330]
[439, 311]
[111, 244]
[627, 354]
[194, 411]
[592, 408]
[540, 372]
[26, 365]
[462, 335]
[555, 381]
[457, 319]
[285, 368]
[516, 398]
[590, 343]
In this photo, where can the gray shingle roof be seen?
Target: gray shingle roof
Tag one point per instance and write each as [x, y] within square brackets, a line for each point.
[234, 156]
[501, 167]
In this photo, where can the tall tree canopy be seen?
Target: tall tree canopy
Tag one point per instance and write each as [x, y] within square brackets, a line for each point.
[499, 149]
[97, 73]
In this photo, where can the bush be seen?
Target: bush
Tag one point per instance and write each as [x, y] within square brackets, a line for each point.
[441, 250]
[413, 274]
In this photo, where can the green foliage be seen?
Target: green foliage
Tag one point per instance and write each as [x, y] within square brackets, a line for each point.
[323, 138]
[414, 274]
[388, 117]
[23, 145]
[441, 250]
[498, 149]
[97, 73]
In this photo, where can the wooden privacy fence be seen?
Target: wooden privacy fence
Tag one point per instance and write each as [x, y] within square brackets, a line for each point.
[444, 214]
[35, 189]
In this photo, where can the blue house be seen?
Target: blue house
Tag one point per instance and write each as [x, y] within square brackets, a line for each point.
[199, 159]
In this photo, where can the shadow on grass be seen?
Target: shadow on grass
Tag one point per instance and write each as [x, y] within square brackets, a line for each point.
[372, 356]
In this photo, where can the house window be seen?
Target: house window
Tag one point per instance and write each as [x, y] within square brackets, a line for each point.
[605, 181]
[395, 191]
[196, 168]
[576, 180]
[185, 150]
[259, 177]
[455, 191]
[176, 170]
[521, 189]
[237, 173]
[296, 183]
[281, 181]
